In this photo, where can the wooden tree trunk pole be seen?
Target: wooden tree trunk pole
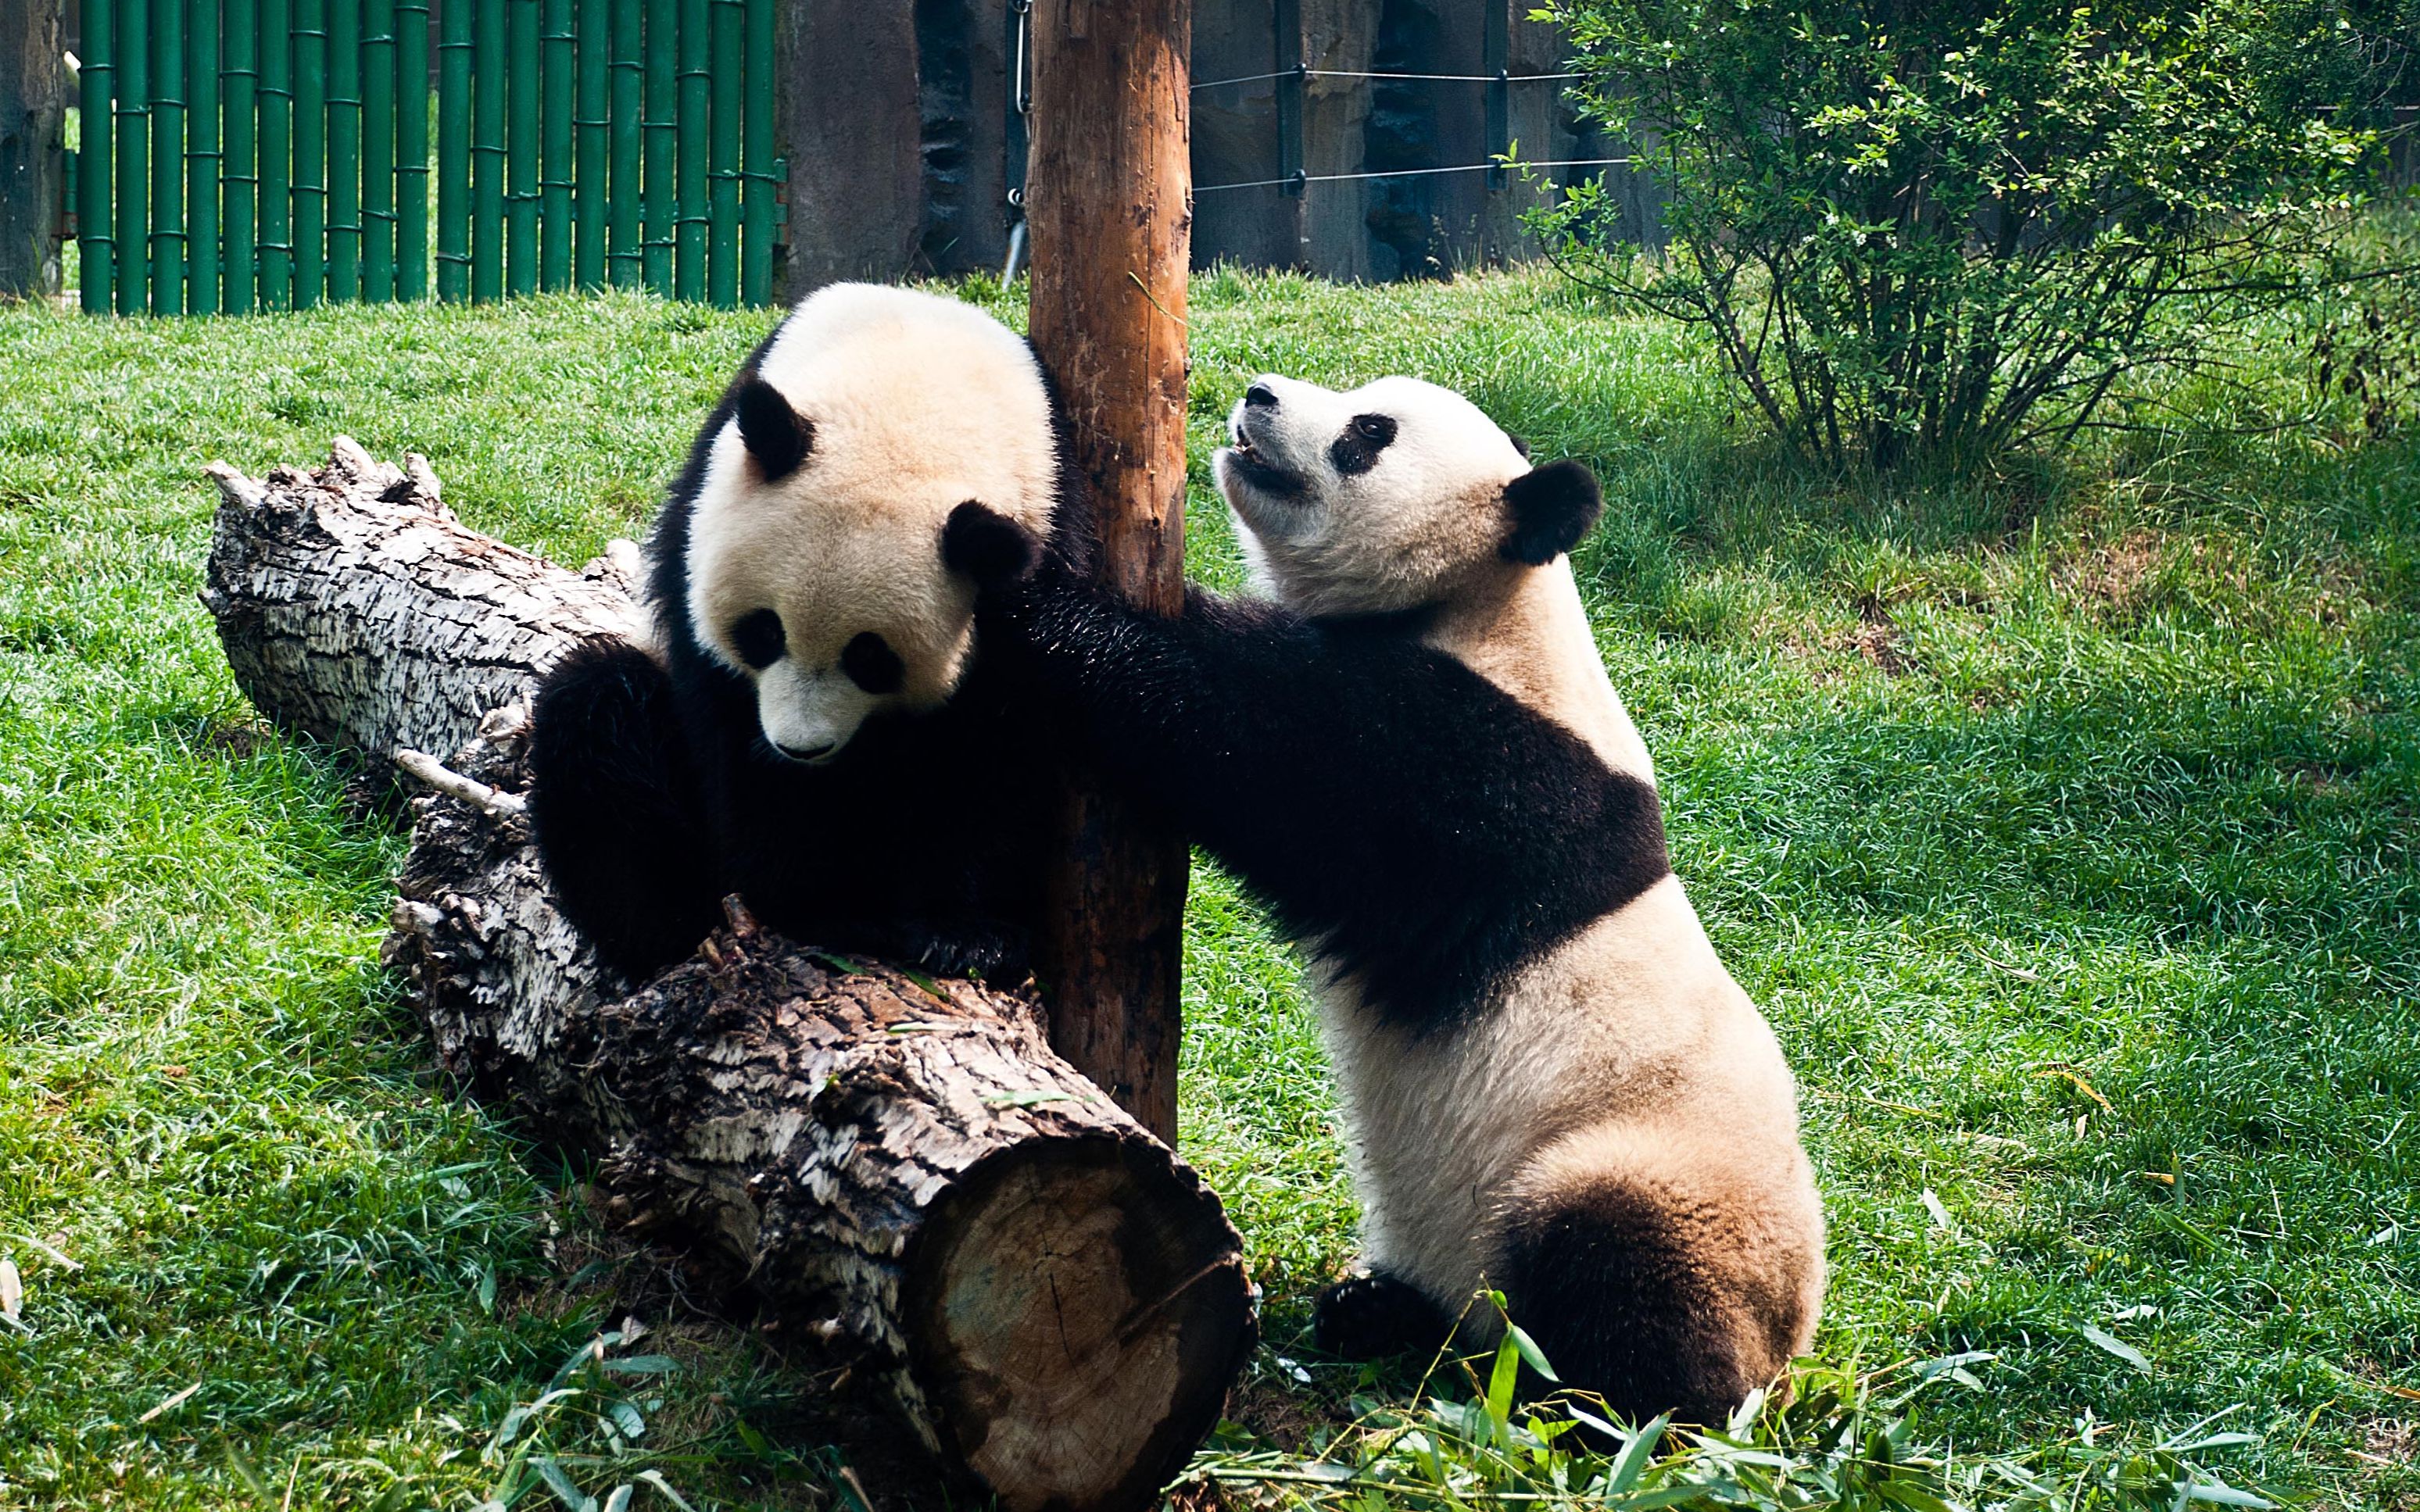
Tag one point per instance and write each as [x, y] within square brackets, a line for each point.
[902, 1168]
[1108, 204]
[33, 165]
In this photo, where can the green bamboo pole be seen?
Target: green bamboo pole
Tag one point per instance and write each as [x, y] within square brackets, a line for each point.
[168, 157]
[520, 206]
[454, 50]
[758, 209]
[96, 243]
[662, 143]
[276, 154]
[240, 171]
[486, 150]
[377, 150]
[203, 161]
[588, 258]
[310, 152]
[696, 107]
[621, 255]
[726, 19]
[411, 149]
[344, 150]
[133, 122]
[556, 65]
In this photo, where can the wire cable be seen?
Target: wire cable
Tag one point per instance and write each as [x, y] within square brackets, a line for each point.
[1409, 173]
[1359, 73]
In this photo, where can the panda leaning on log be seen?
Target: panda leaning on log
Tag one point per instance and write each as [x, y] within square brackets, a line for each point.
[1551, 1083]
[816, 729]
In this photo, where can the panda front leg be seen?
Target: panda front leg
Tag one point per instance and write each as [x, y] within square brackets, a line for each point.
[1374, 1314]
[616, 806]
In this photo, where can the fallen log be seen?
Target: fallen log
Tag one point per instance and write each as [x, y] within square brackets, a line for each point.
[902, 1167]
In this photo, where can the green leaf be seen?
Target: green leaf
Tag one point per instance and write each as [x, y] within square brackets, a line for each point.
[656, 1479]
[571, 1496]
[2219, 1494]
[1027, 1097]
[1533, 1355]
[2114, 1345]
[1500, 1383]
[1632, 1463]
[625, 1417]
[618, 1499]
[644, 1364]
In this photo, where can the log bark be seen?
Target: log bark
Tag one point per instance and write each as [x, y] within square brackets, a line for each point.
[1053, 1300]
[1107, 201]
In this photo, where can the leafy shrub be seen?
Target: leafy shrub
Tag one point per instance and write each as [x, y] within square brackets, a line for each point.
[1939, 230]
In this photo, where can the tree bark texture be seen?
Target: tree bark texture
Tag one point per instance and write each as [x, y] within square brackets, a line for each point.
[33, 160]
[1107, 201]
[904, 1166]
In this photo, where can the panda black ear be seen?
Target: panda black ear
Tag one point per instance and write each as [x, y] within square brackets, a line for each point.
[987, 546]
[1552, 508]
[777, 436]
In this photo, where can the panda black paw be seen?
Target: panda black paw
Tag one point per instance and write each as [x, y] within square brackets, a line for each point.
[997, 953]
[1374, 1315]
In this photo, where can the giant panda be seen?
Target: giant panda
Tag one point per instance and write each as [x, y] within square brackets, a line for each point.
[815, 727]
[1551, 1083]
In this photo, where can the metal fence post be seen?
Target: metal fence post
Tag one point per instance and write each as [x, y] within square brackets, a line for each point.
[758, 211]
[520, 204]
[133, 123]
[310, 152]
[1290, 92]
[588, 253]
[411, 151]
[239, 168]
[344, 150]
[724, 20]
[95, 85]
[377, 150]
[202, 158]
[662, 134]
[624, 94]
[487, 149]
[454, 50]
[168, 157]
[1496, 53]
[696, 102]
[276, 54]
[557, 62]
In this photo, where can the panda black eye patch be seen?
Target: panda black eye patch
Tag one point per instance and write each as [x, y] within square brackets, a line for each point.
[871, 664]
[757, 637]
[1365, 436]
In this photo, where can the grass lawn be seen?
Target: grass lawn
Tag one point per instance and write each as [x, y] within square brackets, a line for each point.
[2065, 824]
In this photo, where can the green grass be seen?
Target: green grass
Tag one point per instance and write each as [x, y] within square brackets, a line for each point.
[2064, 821]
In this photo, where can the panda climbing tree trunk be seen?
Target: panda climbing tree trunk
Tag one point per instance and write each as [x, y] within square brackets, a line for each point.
[902, 1168]
[1108, 204]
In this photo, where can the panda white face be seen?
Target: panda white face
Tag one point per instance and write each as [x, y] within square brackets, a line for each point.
[1383, 498]
[893, 452]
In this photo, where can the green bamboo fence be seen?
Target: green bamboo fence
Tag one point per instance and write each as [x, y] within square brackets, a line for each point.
[259, 155]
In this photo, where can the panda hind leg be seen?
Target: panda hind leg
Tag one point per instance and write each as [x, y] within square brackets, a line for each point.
[1374, 1315]
[1655, 1299]
[617, 811]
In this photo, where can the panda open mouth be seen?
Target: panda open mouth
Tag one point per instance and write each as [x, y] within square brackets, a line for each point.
[1260, 472]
